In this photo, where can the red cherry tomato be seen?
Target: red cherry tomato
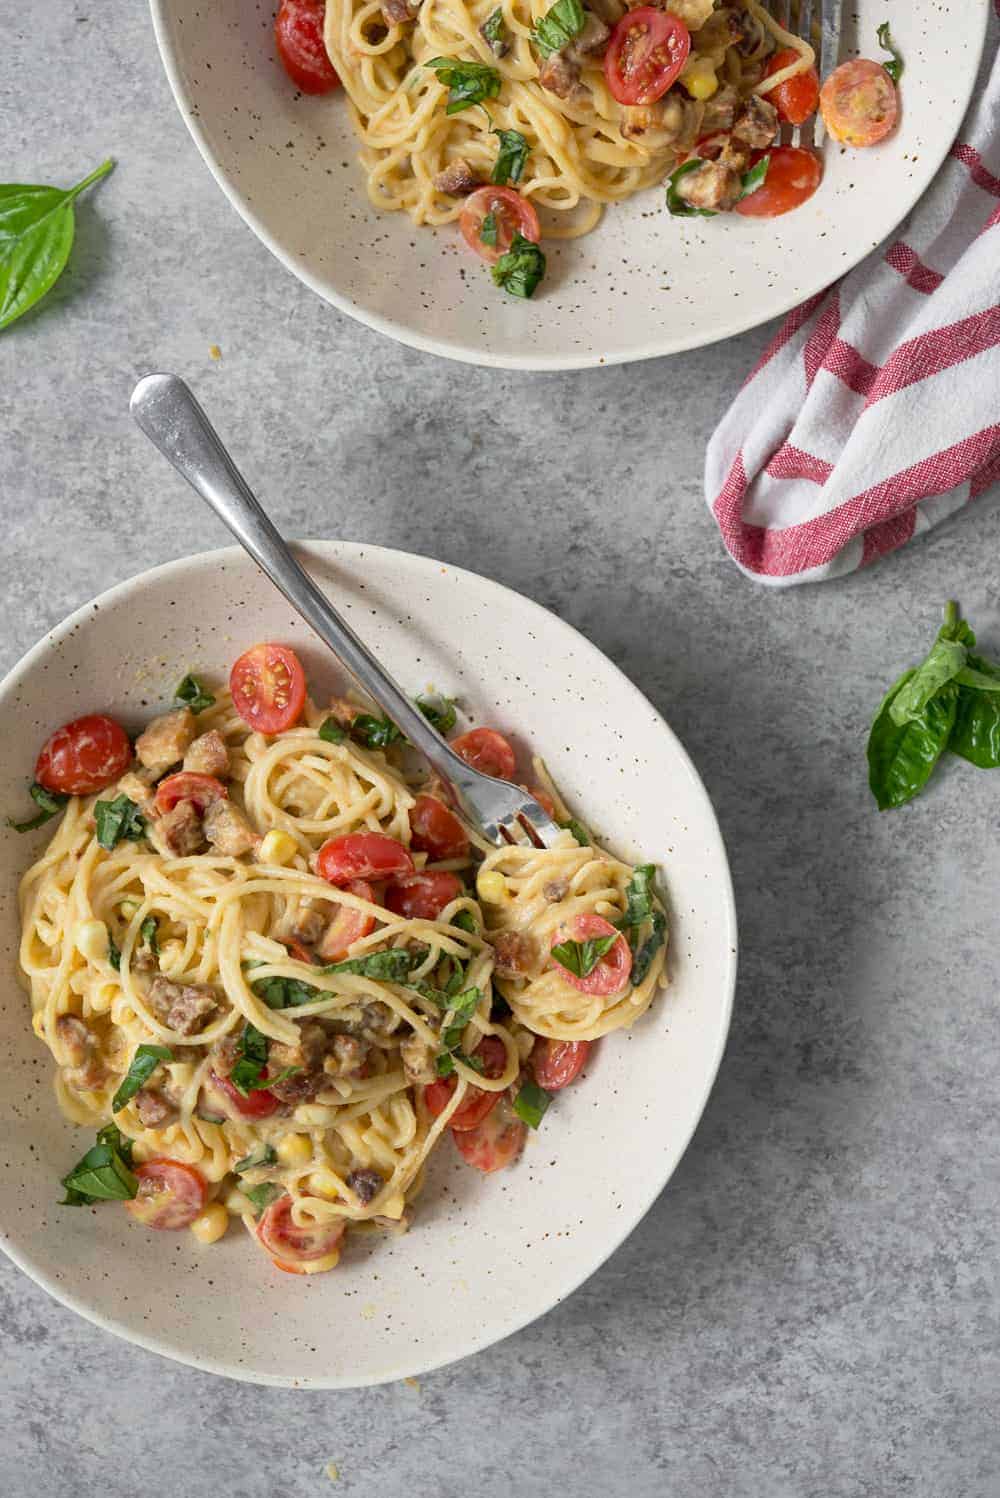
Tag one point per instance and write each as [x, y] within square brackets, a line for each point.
[362, 855]
[348, 925]
[269, 688]
[611, 973]
[796, 98]
[298, 36]
[646, 52]
[512, 215]
[859, 103]
[170, 1194]
[496, 1141]
[436, 830]
[544, 800]
[422, 897]
[476, 1103]
[187, 785]
[84, 756]
[487, 751]
[257, 1104]
[557, 1063]
[290, 1243]
[792, 177]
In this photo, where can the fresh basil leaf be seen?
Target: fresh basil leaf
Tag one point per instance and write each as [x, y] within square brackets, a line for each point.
[191, 694]
[942, 664]
[50, 804]
[895, 67]
[511, 158]
[114, 954]
[976, 735]
[117, 820]
[754, 178]
[488, 229]
[581, 957]
[494, 33]
[979, 680]
[644, 956]
[264, 1154]
[439, 711]
[454, 983]
[247, 1074]
[468, 83]
[461, 1009]
[678, 206]
[578, 830]
[521, 269]
[286, 993]
[263, 1195]
[902, 756]
[638, 896]
[374, 733]
[102, 1174]
[142, 1066]
[531, 1103]
[332, 732]
[474, 1063]
[112, 1136]
[465, 921]
[558, 26]
[444, 1065]
[36, 236]
[149, 934]
[391, 966]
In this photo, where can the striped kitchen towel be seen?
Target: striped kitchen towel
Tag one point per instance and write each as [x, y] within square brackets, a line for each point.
[875, 412]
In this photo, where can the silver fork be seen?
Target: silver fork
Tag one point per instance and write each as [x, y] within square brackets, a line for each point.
[830, 20]
[174, 422]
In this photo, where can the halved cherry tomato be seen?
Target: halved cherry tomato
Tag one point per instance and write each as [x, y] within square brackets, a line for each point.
[557, 1063]
[287, 1268]
[436, 830]
[298, 35]
[488, 751]
[188, 785]
[348, 924]
[291, 1243]
[422, 897]
[260, 1103]
[646, 52]
[496, 1141]
[611, 973]
[84, 756]
[859, 103]
[476, 1103]
[269, 687]
[362, 855]
[512, 215]
[792, 177]
[170, 1195]
[796, 98]
[708, 147]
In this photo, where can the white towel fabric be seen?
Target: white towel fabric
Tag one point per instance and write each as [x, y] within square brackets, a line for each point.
[875, 412]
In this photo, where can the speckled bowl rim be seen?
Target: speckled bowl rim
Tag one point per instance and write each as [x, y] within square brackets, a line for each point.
[336, 551]
[466, 353]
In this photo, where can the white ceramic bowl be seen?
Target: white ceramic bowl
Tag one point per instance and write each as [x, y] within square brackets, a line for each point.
[642, 284]
[491, 1253]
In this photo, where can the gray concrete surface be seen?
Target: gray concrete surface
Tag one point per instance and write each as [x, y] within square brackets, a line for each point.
[810, 1310]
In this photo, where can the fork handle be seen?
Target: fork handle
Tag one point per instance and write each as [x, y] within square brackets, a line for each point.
[172, 419]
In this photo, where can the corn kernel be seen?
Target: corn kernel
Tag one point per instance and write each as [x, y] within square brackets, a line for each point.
[236, 1203]
[91, 938]
[315, 1115]
[294, 1149]
[492, 888]
[702, 86]
[278, 847]
[103, 997]
[324, 1183]
[211, 1223]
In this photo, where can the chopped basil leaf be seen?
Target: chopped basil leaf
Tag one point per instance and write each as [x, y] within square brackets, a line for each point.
[649, 949]
[558, 26]
[488, 229]
[286, 993]
[531, 1103]
[192, 695]
[118, 819]
[754, 178]
[247, 1075]
[521, 269]
[677, 205]
[638, 896]
[374, 733]
[391, 966]
[262, 1196]
[468, 83]
[445, 1064]
[511, 158]
[461, 1009]
[50, 804]
[142, 1066]
[494, 33]
[103, 1174]
[579, 832]
[440, 711]
[581, 957]
[465, 921]
[148, 934]
[114, 955]
[473, 1062]
[264, 1154]
[895, 67]
[332, 732]
[454, 983]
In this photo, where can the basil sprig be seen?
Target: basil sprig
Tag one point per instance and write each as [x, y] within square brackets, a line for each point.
[118, 820]
[142, 1066]
[511, 159]
[332, 732]
[36, 236]
[521, 269]
[50, 804]
[680, 208]
[468, 83]
[531, 1103]
[439, 711]
[247, 1074]
[894, 67]
[581, 957]
[264, 1154]
[104, 1173]
[559, 26]
[191, 694]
